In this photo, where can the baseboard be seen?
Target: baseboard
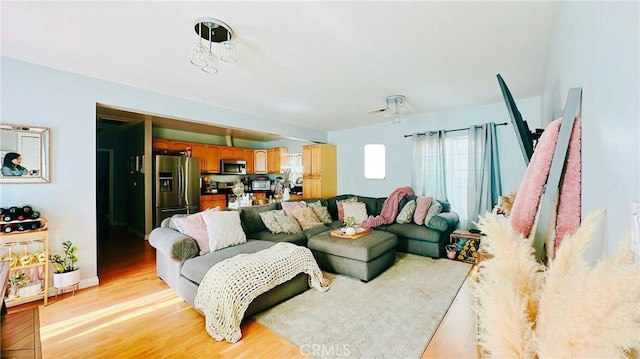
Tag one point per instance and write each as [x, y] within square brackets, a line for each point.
[84, 283]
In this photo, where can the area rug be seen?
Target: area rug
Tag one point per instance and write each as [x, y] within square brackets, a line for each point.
[392, 316]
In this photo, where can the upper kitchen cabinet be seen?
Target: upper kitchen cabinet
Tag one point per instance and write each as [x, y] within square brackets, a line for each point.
[199, 150]
[160, 144]
[319, 173]
[260, 161]
[231, 153]
[276, 158]
[213, 159]
[248, 158]
[178, 146]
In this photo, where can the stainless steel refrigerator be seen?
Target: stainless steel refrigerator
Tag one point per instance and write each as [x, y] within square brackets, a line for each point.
[176, 186]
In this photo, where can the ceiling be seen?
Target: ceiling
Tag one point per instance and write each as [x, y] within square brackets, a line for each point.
[323, 65]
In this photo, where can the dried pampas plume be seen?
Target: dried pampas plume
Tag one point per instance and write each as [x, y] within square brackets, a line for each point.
[569, 310]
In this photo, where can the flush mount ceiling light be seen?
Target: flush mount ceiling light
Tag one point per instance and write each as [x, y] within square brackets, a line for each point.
[395, 107]
[212, 30]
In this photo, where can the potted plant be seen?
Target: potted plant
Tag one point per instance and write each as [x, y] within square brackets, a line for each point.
[349, 223]
[66, 273]
[17, 280]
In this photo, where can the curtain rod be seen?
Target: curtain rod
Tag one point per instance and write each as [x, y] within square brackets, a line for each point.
[455, 129]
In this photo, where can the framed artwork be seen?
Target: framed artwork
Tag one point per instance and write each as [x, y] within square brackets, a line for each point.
[24, 153]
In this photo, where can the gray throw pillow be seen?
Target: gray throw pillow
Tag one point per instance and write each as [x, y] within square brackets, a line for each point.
[433, 211]
[270, 221]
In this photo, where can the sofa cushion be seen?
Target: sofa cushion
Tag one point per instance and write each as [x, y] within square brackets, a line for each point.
[250, 217]
[224, 229]
[364, 248]
[422, 207]
[357, 210]
[287, 223]
[290, 207]
[332, 204]
[340, 206]
[296, 238]
[323, 214]
[184, 249]
[270, 221]
[406, 213]
[444, 221]
[195, 268]
[414, 231]
[306, 218]
[195, 227]
[446, 206]
[434, 209]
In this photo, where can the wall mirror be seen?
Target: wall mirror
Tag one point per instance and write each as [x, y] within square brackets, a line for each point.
[24, 153]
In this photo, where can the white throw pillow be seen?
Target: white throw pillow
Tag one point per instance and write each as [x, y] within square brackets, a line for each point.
[224, 229]
[357, 210]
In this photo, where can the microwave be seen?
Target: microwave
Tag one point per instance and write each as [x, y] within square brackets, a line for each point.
[260, 185]
[233, 167]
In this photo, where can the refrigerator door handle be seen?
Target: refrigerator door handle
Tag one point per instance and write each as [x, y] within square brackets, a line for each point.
[180, 185]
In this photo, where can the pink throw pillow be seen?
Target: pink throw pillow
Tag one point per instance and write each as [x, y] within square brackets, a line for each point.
[196, 228]
[290, 207]
[422, 206]
[340, 211]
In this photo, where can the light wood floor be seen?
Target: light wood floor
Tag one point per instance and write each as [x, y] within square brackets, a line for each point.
[133, 314]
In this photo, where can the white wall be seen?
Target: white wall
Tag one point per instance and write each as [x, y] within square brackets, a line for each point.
[66, 103]
[596, 47]
[351, 143]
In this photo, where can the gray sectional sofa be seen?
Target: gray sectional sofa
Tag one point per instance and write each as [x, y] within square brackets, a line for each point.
[182, 269]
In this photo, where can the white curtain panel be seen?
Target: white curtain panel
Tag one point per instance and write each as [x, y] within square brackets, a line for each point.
[484, 185]
[428, 165]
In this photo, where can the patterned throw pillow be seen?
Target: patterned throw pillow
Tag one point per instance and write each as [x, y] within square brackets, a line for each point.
[306, 218]
[406, 214]
[224, 229]
[341, 208]
[434, 210]
[422, 206]
[314, 204]
[287, 223]
[357, 210]
[290, 207]
[323, 214]
[270, 221]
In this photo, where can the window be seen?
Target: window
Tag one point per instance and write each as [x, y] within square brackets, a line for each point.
[456, 155]
[295, 165]
[374, 161]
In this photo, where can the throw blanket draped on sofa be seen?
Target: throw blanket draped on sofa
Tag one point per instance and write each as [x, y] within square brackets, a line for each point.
[231, 285]
[389, 208]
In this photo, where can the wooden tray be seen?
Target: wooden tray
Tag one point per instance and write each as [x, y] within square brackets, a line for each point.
[338, 233]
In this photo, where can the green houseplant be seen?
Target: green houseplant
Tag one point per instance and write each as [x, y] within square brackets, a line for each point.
[66, 273]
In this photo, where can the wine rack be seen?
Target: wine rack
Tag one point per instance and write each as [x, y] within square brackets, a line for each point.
[28, 253]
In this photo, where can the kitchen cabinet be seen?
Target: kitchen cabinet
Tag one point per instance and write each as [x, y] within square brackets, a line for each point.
[260, 161]
[199, 150]
[238, 153]
[276, 158]
[213, 159]
[179, 146]
[319, 173]
[248, 157]
[27, 252]
[161, 144]
[226, 153]
[231, 153]
[213, 201]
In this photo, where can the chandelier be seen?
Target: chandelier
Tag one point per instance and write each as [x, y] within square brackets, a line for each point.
[395, 107]
[212, 30]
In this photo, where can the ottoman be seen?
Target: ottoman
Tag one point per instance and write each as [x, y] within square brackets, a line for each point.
[364, 257]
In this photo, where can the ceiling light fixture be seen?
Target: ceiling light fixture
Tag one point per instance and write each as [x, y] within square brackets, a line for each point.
[395, 107]
[212, 30]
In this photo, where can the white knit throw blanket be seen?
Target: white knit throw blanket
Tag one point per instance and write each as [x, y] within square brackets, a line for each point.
[231, 285]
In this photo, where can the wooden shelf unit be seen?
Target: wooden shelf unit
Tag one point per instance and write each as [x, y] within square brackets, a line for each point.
[31, 241]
